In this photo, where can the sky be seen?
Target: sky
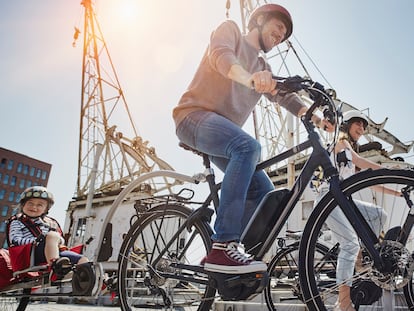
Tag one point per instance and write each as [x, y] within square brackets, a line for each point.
[364, 49]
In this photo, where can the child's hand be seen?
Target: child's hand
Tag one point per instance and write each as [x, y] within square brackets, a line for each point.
[327, 126]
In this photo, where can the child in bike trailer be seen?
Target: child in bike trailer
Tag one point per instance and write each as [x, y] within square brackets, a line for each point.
[228, 83]
[33, 228]
[346, 159]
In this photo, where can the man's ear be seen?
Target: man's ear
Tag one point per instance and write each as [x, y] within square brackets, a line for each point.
[260, 20]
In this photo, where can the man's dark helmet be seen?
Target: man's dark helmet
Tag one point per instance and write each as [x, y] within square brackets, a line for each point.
[275, 10]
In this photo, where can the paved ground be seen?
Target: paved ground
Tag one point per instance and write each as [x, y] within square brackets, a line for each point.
[63, 307]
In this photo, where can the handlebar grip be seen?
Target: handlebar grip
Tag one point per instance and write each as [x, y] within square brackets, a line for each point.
[315, 90]
[290, 84]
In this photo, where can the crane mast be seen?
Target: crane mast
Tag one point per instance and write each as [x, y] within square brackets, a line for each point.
[107, 159]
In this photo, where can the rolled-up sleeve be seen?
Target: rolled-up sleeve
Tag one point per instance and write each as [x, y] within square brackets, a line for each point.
[222, 48]
[291, 102]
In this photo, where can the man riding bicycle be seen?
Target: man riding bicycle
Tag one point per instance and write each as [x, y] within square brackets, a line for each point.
[229, 81]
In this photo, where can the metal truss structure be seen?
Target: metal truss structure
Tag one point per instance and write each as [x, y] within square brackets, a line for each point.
[107, 160]
[278, 130]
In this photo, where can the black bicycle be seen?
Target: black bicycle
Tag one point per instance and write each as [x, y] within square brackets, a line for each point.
[160, 260]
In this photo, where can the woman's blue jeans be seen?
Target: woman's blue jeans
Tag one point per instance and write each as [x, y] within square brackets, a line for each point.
[236, 153]
[344, 233]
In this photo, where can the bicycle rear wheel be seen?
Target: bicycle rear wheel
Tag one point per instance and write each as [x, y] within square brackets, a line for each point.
[283, 285]
[371, 289]
[151, 270]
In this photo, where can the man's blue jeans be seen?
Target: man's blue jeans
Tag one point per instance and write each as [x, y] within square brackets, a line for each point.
[236, 153]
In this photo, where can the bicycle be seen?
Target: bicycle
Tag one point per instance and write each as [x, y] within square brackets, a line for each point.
[159, 260]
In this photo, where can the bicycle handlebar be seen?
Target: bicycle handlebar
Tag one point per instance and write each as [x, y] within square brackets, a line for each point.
[321, 97]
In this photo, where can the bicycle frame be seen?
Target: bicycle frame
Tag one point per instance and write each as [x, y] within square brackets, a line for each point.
[318, 158]
[183, 208]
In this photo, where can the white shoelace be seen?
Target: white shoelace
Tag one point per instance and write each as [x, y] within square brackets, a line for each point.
[234, 250]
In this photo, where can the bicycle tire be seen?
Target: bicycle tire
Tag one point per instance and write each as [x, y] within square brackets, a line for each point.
[395, 289]
[283, 272]
[157, 242]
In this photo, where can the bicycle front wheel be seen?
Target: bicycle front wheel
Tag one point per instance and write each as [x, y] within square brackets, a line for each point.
[158, 259]
[357, 277]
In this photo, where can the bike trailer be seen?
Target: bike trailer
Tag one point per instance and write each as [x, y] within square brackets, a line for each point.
[6, 271]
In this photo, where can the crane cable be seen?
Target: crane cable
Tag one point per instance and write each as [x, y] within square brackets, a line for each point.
[228, 5]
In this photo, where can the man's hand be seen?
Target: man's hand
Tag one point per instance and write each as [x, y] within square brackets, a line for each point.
[262, 82]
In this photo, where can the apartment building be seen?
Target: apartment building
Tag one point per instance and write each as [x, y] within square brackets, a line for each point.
[17, 172]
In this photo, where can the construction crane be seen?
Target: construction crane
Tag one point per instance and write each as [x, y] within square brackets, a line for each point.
[107, 158]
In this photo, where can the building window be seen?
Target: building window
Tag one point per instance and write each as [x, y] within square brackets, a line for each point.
[39, 173]
[3, 163]
[19, 168]
[13, 181]
[14, 211]
[11, 196]
[26, 169]
[44, 175]
[3, 226]
[6, 179]
[28, 183]
[32, 171]
[10, 165]
[4, 211]
[21, 183]
[81, 228]
[2, 194]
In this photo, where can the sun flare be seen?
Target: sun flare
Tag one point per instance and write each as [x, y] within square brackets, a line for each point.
[128, 10]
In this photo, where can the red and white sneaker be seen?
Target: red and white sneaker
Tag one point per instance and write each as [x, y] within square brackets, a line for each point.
[229, 257]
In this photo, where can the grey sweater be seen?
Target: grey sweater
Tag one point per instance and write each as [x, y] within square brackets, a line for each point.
[210, 88]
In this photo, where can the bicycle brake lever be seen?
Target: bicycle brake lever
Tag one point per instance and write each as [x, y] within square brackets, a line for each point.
[290, 84]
